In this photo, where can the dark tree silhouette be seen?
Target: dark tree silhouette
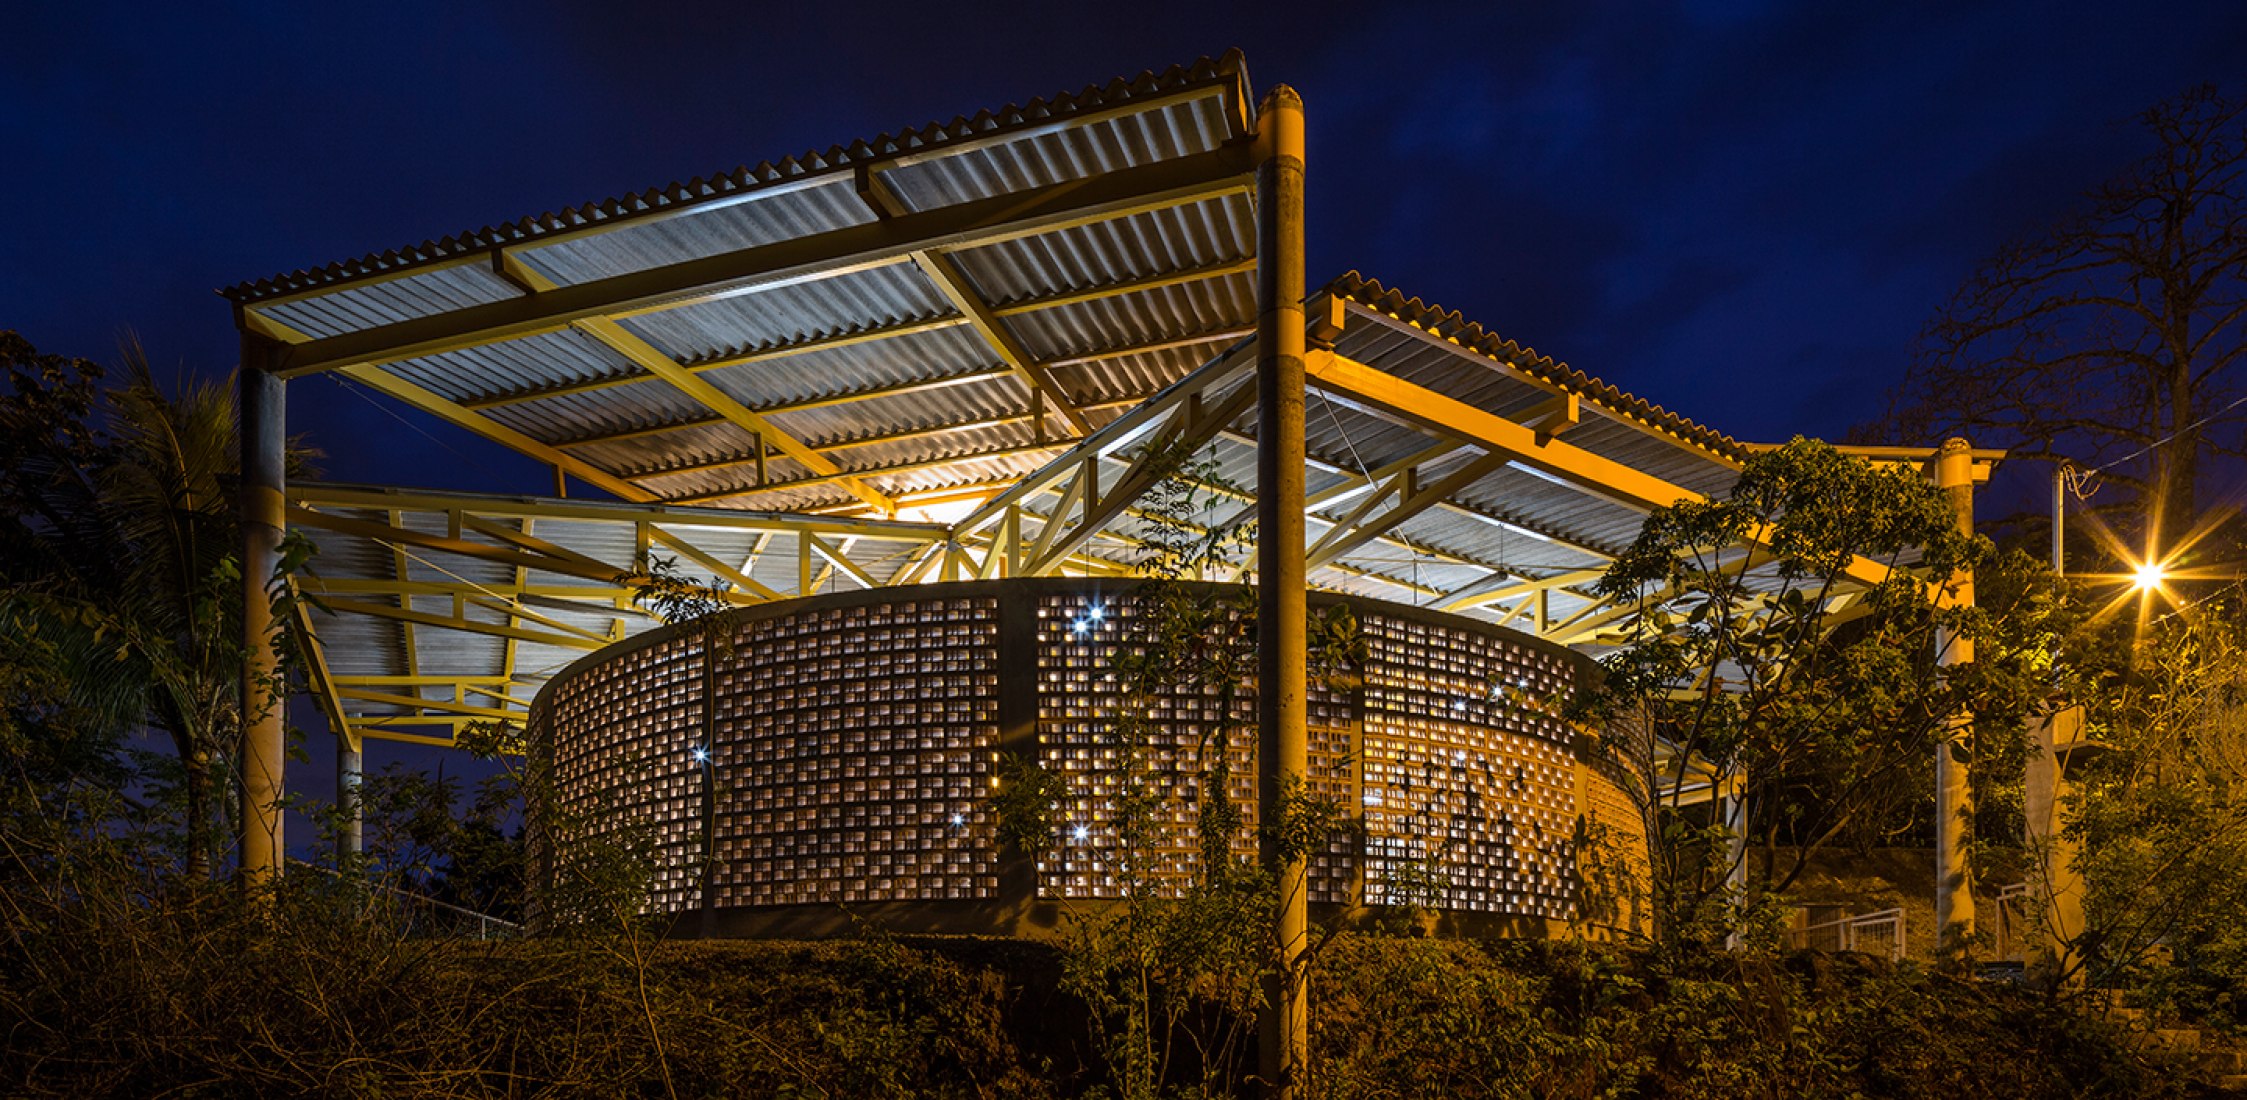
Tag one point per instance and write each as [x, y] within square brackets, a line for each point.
[2117, 336]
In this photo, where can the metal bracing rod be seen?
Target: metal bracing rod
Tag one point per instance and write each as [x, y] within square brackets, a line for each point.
[1012, 216]
[452, 412]
[462, 623]
[1355, 482]
[1120, 433]
[658, 363]
[1411, 501]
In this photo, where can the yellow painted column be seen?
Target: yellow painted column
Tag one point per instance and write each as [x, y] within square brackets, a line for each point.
[263, 432]
[1282, 710]
[1954, 801]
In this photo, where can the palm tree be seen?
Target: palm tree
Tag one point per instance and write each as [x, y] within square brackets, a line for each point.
[125, 545]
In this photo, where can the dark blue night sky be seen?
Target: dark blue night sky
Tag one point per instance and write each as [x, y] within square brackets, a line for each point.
[1741, 210]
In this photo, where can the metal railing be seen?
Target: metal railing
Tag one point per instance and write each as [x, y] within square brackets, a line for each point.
[1880, 933]
[2012, 923]
[460, 918]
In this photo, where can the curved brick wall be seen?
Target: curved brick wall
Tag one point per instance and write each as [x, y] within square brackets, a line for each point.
[853, 740]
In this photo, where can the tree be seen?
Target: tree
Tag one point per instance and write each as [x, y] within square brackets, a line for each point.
[2160, 814]
[1744, 669]
[2118, 335]
[122, 552]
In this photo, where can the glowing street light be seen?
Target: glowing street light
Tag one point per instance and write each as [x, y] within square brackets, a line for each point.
[2149, 576]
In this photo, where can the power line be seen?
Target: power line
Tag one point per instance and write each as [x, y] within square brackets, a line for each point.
[2164, 440]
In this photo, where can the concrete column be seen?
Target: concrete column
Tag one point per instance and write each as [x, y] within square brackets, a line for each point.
[263, 437]
[350, 770]
[1954, 802]
[1283, 733]
[2058, 883]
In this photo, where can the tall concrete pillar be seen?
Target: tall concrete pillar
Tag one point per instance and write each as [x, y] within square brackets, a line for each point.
[264, 442]
[2057, 883]
[1954, 801]
[1282, 713]
[350, 771]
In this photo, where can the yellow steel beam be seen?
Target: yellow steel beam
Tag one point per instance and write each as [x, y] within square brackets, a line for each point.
[1109, 195]
[1191, 426]
[514, 611]
[944, 273]
[765, 355]
[868, 471]
[378, 733]
[840, 561]
[1445, 416]
[950, 281]
[516, 507]
[1113, 436]
[834, 341]
[901, 389]
[446, 706]
[524, 539]
[425, 618]
[448, 410]
[399, 536]
[386, 680]
[316, 660]
[718, 568]
[656, 362]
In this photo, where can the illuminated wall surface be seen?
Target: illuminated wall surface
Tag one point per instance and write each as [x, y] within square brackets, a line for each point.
[852, 742]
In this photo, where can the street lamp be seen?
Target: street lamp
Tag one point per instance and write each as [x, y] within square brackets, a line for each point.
[2149, 576]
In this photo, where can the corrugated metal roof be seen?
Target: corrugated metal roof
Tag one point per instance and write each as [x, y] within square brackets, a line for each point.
[877, 369]
[1227, 73]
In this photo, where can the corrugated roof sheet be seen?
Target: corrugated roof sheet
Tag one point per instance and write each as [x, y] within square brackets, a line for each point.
[878, 370]
[1227, 71]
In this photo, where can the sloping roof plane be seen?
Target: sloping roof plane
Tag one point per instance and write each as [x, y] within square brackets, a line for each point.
[926, 356]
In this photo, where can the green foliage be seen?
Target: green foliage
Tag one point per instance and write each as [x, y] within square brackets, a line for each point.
[1172, 970]
[422, 838]
[1412, 1018]
[2161, 817]
[119, 554]
[1827, 718]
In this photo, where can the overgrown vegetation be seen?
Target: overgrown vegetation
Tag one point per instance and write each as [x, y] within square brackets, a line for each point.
[1749, 675]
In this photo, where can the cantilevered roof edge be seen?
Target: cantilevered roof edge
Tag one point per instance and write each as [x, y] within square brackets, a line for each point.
[1450, 325]
[1227, 73]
